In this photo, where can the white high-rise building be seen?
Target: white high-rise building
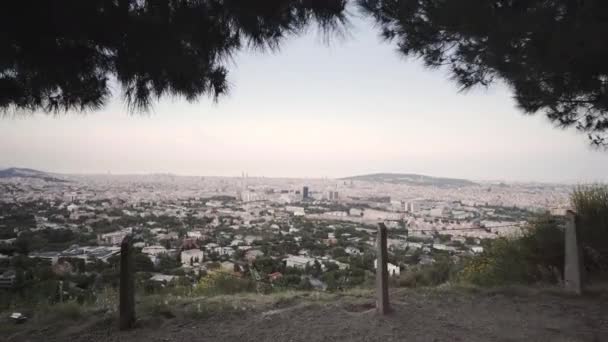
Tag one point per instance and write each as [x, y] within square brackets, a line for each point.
[332, 195]
[412, 207]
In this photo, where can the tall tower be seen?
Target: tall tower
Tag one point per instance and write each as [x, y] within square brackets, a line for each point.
[244, 182]
[241, 191]
[305, 193]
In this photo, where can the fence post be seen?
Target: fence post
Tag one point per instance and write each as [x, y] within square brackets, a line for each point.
[382, 304]
[127, 285]
[573, 260]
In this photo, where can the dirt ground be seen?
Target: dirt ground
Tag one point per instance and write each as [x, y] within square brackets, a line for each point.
[432, 315]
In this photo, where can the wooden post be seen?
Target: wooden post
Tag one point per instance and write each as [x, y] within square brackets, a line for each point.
[382, 304]
[127, 285]
[573, 260]
[61, 291]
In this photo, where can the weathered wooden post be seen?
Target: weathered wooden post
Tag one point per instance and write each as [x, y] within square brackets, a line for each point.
[573, 260]
[382, 305]
[127, 285]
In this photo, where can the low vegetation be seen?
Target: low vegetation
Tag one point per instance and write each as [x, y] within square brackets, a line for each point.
[591, 204]
[443, 270]
[534, 257]
[537, 256]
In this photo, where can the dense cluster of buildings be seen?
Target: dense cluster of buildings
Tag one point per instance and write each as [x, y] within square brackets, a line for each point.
[231, 222]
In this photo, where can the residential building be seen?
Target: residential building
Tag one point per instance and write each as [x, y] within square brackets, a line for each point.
[332, 195]
[439, 212]
[442, 247]
[352, 250]
[477, 249]
[393, 270]
[253, 254]
[154, 250]
[7, 279]
[298, 261]
[162, 278]
[412, 207]
[195, 234]
[113, 238]
[191, 257]
[297, 211]
[355, 212]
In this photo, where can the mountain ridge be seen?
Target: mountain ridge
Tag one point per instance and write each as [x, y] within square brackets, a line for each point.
[411, 179]
[17, 172]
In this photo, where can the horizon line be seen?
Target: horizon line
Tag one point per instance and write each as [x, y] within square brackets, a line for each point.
[152, 173]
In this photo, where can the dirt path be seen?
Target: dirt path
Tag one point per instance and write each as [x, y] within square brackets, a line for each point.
[417, 316]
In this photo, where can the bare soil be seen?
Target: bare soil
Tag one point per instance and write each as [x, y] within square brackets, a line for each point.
[418, 315]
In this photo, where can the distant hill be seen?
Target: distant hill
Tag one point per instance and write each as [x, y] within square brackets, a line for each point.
[412, 179]
[14, 172]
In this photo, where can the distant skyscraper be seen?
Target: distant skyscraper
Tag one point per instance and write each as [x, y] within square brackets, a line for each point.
[305, 192]
[242, 193]
[332, 195]
[412, 207]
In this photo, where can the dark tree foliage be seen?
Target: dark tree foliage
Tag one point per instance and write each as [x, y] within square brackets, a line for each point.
[551, 53]
[59, 55]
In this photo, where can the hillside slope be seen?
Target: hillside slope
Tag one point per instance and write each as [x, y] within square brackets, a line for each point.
[412, 179]
[419, 315]
[15, 172]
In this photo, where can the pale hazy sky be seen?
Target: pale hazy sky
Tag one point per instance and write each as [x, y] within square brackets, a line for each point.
[313, 110]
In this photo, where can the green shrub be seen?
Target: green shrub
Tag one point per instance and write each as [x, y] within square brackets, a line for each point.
[157, 306]
[217, 283]
[441, 271]
[535, 256]
[218, 308]
[68, 310]
[591, 205]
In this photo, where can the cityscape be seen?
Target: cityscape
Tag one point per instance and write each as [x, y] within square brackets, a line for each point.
[303, 170]
[300, 233]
